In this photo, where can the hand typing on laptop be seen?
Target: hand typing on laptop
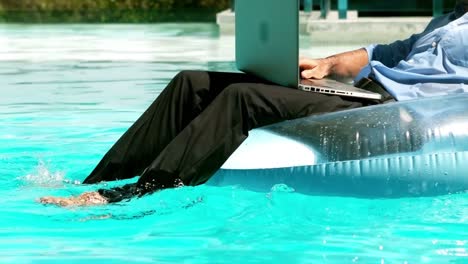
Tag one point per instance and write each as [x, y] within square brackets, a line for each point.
[343, 66]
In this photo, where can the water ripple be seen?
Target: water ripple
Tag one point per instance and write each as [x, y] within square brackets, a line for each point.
[69, 92]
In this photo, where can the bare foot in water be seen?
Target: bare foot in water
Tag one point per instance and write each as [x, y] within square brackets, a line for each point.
[85, 199]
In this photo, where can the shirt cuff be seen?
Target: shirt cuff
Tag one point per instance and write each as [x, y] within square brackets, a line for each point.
[367, 69]
[370, 51]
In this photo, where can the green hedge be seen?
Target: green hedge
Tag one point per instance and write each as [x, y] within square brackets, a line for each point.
[121, 11]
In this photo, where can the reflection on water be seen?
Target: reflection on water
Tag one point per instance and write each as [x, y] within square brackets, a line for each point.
[68, 92]
[157, 42]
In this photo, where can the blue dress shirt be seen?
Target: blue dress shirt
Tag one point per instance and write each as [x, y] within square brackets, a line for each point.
[432, 63]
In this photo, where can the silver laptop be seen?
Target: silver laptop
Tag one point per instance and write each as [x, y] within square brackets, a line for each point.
[267, 45]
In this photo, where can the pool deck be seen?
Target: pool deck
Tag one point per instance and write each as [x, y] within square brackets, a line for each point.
[353, 30]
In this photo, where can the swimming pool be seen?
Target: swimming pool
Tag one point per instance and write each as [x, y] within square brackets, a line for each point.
[69, 91]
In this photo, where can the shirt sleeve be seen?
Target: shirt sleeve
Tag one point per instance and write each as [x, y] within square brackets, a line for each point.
[391, 54]
[370, 51]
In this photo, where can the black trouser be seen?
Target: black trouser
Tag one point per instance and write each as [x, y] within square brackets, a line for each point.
[196, 123]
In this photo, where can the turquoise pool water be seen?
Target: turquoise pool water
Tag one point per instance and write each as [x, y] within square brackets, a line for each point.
[68, 92]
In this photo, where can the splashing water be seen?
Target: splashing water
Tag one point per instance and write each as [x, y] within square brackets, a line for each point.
[43, 177]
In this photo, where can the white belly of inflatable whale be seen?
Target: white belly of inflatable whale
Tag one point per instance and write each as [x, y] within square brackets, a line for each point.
[411, 148]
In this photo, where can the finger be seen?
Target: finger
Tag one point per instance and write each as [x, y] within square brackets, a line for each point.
[315, 73]
[307, 63]
[309, 74]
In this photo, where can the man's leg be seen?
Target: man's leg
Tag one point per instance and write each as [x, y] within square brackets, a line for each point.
[205, 144]
[185, 97]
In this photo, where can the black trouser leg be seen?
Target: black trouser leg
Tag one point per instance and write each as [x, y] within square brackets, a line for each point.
[208, 140]
[185, 97]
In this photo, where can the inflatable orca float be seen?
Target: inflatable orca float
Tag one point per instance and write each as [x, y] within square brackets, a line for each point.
[411, 148]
